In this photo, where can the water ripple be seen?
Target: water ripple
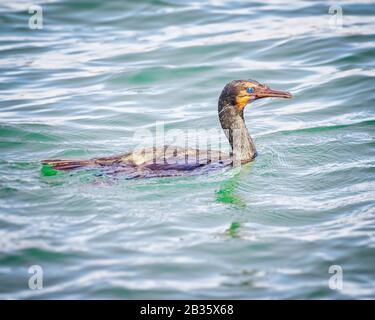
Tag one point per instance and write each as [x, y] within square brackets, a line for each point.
[100, 70]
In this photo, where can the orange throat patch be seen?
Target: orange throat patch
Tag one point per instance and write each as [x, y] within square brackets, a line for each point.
[242, 101]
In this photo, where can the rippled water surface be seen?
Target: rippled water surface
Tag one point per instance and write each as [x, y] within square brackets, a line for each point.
[99, 71]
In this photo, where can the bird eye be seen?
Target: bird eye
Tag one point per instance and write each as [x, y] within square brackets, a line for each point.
[250, 90]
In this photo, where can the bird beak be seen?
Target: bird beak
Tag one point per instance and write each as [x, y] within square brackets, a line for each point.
[268, 92]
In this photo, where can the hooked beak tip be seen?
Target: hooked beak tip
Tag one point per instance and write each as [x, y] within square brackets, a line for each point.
[288, 95]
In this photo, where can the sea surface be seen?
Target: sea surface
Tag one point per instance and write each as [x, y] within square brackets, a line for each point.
[298, 222]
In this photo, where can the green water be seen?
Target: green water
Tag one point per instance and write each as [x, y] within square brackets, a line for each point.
[100, 70]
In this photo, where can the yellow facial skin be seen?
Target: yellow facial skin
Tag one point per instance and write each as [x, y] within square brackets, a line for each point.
[242, 101]
[259, 91]
[243, 97]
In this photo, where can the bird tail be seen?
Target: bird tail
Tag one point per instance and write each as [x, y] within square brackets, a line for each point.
[58, 164]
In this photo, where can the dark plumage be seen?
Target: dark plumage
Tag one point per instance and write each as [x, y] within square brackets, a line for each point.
[173, 161]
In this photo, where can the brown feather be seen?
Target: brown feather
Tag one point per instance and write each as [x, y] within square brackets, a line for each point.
[58, 164]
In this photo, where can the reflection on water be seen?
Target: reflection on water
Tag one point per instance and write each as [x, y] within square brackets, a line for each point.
[227, 191]
[232, 231]
[99, 71]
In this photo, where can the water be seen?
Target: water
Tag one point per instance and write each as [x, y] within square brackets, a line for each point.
[99, 71]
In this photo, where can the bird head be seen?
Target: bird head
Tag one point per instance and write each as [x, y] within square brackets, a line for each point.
[241, 92]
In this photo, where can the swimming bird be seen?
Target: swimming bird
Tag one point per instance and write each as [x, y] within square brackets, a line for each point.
[177, 161]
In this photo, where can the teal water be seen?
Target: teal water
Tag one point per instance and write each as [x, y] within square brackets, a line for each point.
[100, 70]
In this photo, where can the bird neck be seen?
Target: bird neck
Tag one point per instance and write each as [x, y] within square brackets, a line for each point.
[233, 124]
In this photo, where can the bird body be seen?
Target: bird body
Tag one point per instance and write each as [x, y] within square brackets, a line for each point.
[177, 161]
[151, 162]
